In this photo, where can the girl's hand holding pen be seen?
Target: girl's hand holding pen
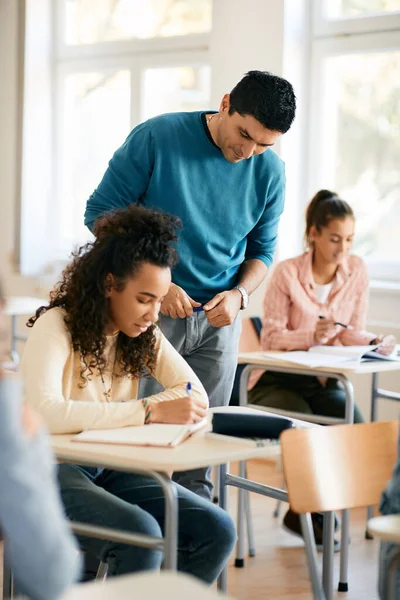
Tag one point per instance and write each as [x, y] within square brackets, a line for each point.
[388, 344]
[189, 409]
[325, 330]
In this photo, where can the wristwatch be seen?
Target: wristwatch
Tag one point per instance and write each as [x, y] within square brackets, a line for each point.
[245, 296]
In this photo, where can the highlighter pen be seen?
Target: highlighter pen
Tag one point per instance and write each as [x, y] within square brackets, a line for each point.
[338, 323]
[188, 389]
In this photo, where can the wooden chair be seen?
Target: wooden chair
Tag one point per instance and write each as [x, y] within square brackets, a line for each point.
[334, 468]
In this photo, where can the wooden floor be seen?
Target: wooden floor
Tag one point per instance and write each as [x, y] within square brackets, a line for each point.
[279, 570]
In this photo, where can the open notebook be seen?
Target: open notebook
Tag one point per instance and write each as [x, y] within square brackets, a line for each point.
[327, 356]
[166, 436]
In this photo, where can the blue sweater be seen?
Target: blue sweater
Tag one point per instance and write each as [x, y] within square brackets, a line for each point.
[230, 212]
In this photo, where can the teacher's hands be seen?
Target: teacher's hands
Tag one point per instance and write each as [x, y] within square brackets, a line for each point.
[177, 303]
[223, 309]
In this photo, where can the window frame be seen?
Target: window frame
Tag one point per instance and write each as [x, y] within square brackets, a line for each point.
[134, 55]
[330, 38]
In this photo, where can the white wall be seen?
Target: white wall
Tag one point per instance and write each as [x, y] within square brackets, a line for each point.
[247, 36]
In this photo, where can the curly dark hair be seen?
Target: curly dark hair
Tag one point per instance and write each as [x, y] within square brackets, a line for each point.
[266, 97]
[124, 240]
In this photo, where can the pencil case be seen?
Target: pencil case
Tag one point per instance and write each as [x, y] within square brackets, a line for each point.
[250, 426]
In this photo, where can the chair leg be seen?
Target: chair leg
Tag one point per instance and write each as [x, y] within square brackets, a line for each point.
[279, 502]
[249, 524]
[327, 558]
[370, 514]
[311, 553]
[215, 498]
[102, 571]
[239, 560]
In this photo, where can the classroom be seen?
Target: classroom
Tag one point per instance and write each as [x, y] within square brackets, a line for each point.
[260, 246]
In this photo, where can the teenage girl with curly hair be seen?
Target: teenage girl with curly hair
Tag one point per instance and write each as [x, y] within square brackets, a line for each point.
[82, 363]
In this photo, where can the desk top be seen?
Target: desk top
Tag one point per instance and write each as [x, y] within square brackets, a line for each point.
[346, 368]
[196, 452]
[149, 586]
[22, 305]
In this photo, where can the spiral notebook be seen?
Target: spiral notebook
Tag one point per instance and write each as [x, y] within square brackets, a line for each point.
[157, 434]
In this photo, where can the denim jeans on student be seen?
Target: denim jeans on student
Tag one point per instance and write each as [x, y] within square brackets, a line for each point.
[212, 353]
[135, 503]
[301, 393]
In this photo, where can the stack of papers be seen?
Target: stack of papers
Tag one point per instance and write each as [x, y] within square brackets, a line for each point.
[329, 356]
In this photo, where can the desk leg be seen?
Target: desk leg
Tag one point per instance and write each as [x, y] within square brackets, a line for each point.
[327, 559]
[13, 334]
[344, 550]
[239, 561]
[374, 396]
[223, 502]
[171, 521]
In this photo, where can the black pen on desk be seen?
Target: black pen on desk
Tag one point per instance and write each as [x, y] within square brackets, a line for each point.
[337, 323]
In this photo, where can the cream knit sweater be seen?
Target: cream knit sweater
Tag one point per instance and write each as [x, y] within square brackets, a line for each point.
[51, 370]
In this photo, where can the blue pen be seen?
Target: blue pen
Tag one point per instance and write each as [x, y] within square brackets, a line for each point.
[188, 389]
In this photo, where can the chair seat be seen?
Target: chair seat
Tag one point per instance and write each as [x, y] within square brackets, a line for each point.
[386, 528]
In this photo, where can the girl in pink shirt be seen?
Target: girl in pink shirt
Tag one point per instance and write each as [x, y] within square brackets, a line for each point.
[323, 282]
[326, 281]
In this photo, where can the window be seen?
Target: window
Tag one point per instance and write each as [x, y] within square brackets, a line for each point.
[124, 19]
[107, 70]
[354, 125]
[355, 8]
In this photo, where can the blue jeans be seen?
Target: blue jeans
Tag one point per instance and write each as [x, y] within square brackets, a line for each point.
[212, 354]
[301, 393]
[135, 503]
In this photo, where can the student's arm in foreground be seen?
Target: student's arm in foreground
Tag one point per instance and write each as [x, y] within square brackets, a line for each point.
[41, 550]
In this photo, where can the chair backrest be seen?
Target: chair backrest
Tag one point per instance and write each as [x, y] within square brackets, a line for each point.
[249, 342]
[332, 468]
[250, 336]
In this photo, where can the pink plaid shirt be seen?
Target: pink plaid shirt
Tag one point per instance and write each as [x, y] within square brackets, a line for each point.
[291, 307]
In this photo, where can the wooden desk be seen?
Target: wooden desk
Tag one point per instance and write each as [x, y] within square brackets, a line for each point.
[146, 586]
[198, 451]
[341, 372]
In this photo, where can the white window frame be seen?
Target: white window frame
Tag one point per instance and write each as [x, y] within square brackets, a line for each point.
[375, 33]
[135, 55]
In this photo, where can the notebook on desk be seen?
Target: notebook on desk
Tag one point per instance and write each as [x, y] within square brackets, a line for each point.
[329, 356]
[157, 434]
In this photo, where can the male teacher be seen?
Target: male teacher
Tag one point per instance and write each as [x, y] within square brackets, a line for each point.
[216, 172]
